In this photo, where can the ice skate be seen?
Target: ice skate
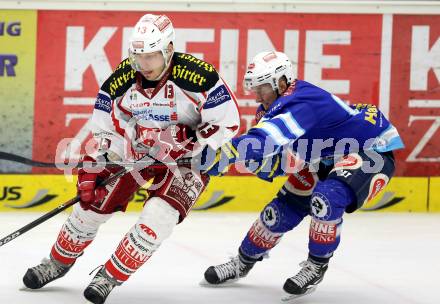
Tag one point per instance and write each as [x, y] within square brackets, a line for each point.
[305, 281]
[46, 272]
[100, 287]
[238, 267]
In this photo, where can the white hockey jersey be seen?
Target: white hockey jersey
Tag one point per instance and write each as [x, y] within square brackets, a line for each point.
[191, 93]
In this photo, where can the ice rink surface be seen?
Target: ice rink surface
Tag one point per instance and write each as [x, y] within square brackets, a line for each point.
[383, 258]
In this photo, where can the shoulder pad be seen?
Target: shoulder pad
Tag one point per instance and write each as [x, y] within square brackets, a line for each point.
[192, 74]
[120, 80]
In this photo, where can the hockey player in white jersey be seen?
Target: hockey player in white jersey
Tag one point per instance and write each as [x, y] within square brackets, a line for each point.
[157, 102]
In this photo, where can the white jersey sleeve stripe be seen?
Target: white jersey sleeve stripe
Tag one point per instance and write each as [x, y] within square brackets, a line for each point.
[274, 132]
[345, 106]
[291, 124]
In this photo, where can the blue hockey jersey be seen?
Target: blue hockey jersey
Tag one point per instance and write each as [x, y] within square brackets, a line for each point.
[316, 125]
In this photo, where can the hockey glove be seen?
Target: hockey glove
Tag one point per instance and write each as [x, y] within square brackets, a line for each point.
[217, 162]
[267, 168]
[86, 185]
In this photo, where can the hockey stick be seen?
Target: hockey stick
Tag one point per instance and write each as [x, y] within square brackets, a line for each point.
[57, 210]
[26, 161]
[131, 166]
[34, 163]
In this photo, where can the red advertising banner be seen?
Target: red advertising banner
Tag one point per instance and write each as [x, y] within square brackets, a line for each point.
[76, 51]
[415, 93]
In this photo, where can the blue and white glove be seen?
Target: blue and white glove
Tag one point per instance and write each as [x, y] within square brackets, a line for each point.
[268, 168]
[217, 162]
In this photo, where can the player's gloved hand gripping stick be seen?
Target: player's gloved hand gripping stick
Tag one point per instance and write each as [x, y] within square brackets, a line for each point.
[126, 168]
[57, 210]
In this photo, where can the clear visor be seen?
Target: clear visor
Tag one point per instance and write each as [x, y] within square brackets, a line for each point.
[146, 61]
[257, 90]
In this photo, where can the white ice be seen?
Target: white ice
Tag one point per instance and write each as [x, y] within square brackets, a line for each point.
[383, 258]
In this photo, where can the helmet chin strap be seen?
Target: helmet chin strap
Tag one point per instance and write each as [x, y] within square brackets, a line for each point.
[167, 57]
[275, 89]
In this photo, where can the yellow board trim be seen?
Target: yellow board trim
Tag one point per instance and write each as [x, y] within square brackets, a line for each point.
[434, 194]
[241, 193]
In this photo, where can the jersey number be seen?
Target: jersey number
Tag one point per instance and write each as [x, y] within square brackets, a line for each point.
[207, 130]
[169, 91]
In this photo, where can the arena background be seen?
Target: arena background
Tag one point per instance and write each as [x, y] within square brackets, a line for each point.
[55, 54]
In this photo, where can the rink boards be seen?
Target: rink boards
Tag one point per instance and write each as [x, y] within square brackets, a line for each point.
[57, 59]
[230, 193]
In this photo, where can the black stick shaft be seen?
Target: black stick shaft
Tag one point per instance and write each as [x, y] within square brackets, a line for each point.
[34, 163]
[57, 210]
[23, 160]
[129, 167]
[39, 220]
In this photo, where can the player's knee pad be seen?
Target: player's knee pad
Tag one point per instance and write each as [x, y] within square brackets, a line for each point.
[328, 204]
[155, 224]
[76, 234]
[82, 225]
[278, 217]
[329, 199]
[87, 219]
[281, 215]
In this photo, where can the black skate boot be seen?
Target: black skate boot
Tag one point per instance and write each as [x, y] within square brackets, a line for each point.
[48, 271]
[100, 287]
[237, 267]
[306, 280]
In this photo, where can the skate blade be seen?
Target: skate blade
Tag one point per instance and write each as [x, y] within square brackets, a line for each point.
[290, 298]
[205, 283]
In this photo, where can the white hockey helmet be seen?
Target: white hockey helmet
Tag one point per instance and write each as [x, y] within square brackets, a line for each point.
[151, 33]
[268, 67]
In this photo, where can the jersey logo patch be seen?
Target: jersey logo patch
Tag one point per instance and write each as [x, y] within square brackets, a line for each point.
[270, 216]
[377, 184]
[103, 103]
[148, 231]
[217, 97]
[262, 237]
[323, 232]
[320, 206]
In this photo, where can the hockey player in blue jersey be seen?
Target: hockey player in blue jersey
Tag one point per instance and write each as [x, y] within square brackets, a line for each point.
[347, 152]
